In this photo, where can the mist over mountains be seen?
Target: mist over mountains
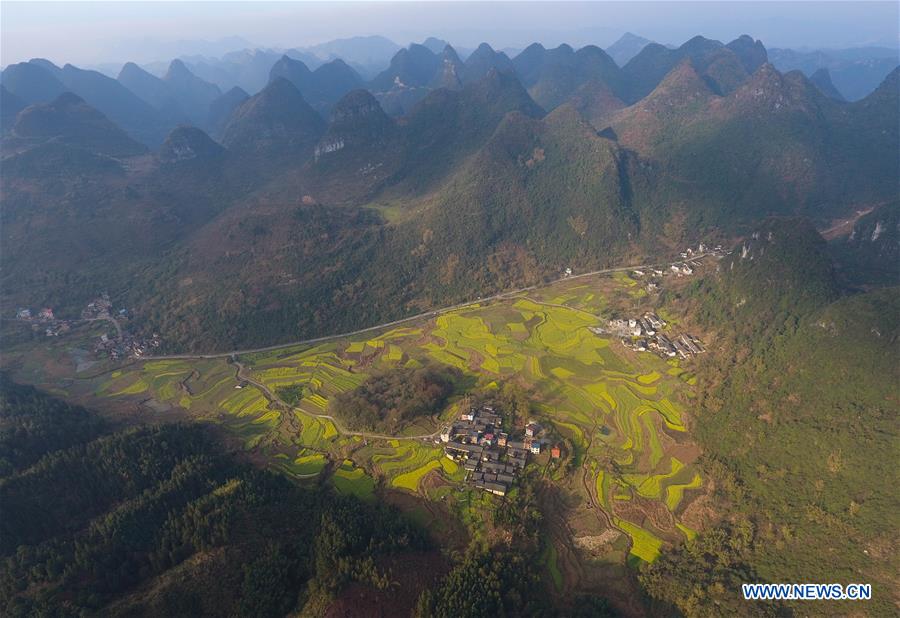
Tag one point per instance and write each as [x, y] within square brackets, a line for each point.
[681, 259]
[328, 185]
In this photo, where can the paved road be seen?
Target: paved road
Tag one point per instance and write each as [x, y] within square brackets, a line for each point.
[413, 318]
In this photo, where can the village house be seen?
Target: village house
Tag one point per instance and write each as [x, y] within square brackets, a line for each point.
[490, 459]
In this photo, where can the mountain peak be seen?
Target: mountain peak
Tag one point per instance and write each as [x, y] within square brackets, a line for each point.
[186, 143]
[822, 81]
[277, 118]
[699, 44]
[131, 68]
[32, 83]
[46, 64]
[337, 63]
[279, 88]
[483, 60]
[358, 123]
[411, 66]
[675, 100]
[291, 69]
[533, 48]
[449, 73]
[435, 44]
[595, 101]
[502, 88]
[682, 82]
[449, 53]
[752, 53]
[768, 91]
[182, 77]
[356, 104]
[220, 109]
[630, 37]
[69, 120]
[337, 69]
[177, 69]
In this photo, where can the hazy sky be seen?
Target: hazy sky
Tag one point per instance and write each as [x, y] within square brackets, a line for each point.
[95, 32]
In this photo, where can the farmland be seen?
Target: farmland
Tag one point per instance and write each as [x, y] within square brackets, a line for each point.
[629, 471]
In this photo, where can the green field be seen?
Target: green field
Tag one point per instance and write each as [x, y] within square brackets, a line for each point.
[349, 479]
[618, 413]
[303, 466]
[645, 545]
[410, 480]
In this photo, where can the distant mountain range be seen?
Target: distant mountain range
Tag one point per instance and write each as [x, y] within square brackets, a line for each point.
[626, 48]
[324, 200]
[235, 62]
[854, 72]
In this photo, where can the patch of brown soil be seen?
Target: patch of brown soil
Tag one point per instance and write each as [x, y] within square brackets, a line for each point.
[597, 544]
[843, 227]
[685, 452]
[700, 513]
[475, 360]
[639, 509]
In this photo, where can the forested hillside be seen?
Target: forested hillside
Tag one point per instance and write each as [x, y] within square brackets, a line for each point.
[159, 520]
[798, 425]
[297, 226]
[156, 521]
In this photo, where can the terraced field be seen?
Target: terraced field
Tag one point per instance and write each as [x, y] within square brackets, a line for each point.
[620, 415]
[349, 479]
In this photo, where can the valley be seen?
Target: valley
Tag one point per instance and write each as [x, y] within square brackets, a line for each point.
[629, 474]
[365, 329]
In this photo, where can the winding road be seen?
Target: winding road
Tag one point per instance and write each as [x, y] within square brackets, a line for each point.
[418, 316]
[242, 374]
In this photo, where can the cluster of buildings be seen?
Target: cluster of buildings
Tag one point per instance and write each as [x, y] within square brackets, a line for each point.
[679, 269]
[648, 325]
[683, 346]
[43, 319]
[98, 309]
[125, 346]
[701, 250]
[682, 269]
[644, 334]
[490, 457]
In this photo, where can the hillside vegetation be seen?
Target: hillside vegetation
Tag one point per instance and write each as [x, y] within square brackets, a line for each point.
[299, 226]
[159, 521]
[798, 425]
[388, 400]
